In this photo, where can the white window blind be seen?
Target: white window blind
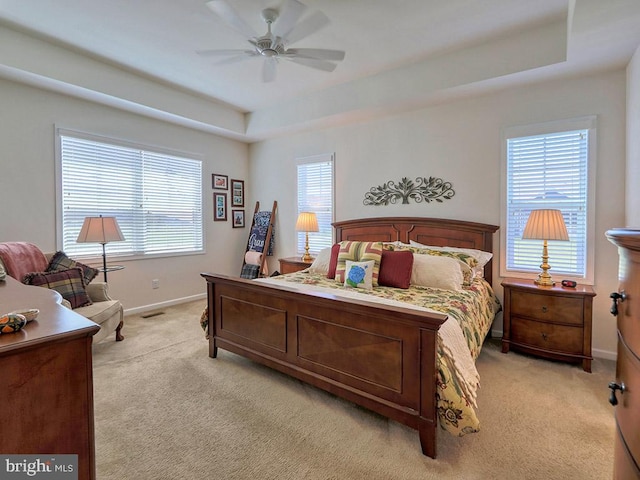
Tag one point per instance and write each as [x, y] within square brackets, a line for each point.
[156, 197]
[315, 194]
[548, 171]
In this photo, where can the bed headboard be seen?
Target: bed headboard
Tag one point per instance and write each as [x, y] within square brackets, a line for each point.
[429, 231]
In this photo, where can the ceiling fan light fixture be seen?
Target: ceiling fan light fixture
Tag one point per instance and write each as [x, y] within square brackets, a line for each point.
[287, 29]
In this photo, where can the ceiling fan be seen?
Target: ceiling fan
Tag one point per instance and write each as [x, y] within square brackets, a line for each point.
[283, 29]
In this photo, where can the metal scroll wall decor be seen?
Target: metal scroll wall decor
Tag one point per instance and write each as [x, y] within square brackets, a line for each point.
[422, 190]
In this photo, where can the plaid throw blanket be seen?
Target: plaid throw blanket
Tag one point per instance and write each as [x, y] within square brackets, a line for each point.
[250, 271]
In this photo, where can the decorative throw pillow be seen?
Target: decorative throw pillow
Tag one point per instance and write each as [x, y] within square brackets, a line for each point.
[395, 269]
[68, 283]
[60, 261]
[333, 263]
[359, 274]
[437, 272]
[358, 252]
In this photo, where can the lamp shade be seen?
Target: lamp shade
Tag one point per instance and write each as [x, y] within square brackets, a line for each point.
[100, 230]
[545, 225]
[307, 222]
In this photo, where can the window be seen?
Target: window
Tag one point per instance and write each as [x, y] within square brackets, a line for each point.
[156, 197]
[315, 194]
[549, 167]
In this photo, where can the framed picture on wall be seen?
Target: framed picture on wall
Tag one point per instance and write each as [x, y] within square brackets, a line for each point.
[219, 182]
[219, 207]
[237, 193]
[238, 218]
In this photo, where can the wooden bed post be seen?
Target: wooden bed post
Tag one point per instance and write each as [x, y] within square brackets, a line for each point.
[428, 405]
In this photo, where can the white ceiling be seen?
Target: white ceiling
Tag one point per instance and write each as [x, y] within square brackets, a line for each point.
[160, 38]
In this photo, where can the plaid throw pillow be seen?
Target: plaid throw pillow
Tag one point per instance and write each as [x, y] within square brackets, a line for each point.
[60, 261]
[358, 252]
[68, 283]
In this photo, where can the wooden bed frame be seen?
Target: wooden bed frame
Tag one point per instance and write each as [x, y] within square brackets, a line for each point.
[380, 357]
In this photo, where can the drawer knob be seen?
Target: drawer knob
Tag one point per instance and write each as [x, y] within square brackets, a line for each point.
[615, 296]
[544, 309]
[613, 400]
[544, 336]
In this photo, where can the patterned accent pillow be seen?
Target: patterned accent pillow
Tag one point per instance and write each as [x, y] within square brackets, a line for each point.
[359, 274]
[359, 252]
[68, 283]
[60, 261]
[395, 268]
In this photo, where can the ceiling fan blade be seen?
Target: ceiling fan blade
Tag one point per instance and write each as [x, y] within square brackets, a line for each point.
[306, 27]
[269, 69]
[319, 53]
[235, 59]
[313, 63]
[223, 52]
[290, 13]
[229, 15]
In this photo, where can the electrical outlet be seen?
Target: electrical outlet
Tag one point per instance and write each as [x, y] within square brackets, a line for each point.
[155, 283]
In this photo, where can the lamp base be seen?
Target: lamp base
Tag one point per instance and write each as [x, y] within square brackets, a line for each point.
[544, 281]
[306, 257]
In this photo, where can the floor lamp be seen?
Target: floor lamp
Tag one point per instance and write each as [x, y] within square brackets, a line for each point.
[545, 225]
[100, 230]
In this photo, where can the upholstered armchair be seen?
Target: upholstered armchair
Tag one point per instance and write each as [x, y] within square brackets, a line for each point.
[25, 261]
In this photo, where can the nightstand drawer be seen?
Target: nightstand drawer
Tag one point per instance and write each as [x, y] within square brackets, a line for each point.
[292, 264]
[547, 336]
[547, 307]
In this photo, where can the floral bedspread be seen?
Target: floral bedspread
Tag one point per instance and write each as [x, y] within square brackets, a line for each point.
[472, 308]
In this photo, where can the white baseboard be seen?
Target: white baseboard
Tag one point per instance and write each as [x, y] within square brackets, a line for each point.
[160, 305]
[604, 354]
[596, 352]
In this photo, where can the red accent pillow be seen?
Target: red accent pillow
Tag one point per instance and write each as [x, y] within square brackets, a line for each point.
[333, 261]
[395, 268]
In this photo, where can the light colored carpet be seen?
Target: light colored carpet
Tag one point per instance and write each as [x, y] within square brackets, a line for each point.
[165, 410]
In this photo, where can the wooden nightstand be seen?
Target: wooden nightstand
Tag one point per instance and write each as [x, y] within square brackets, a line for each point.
[292, 264]
[552, 322]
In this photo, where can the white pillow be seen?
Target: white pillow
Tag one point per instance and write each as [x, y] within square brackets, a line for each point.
[320, 264]
[359, 274]
[481, 256]
[437, 272]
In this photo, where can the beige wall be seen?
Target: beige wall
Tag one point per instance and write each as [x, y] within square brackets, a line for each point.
[459, 142]
[27, 183]
[633, 143]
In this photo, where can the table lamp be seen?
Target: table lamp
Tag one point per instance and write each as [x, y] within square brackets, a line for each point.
[100, 230]
[307, 222]
[545, 225]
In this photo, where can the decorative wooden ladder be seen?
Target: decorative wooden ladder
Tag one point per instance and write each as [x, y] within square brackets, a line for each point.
[245, 273]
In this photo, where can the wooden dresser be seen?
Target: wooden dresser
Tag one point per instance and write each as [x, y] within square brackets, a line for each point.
[552, 322]
[46, 379]
[625, 391]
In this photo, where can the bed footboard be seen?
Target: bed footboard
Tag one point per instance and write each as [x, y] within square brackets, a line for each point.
[380, 357]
